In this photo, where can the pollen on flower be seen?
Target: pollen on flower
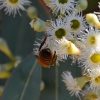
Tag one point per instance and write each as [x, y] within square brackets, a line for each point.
[71, 84]
[13, 6]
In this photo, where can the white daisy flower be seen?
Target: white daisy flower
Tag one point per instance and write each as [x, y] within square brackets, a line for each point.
[13, 6]
[89, 60]
[76, 22]
[61, 6]
[58, 29]
[91, 38]
[95, 79]
[71, 84]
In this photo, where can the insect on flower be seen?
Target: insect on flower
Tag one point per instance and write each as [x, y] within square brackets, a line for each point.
[46, 57]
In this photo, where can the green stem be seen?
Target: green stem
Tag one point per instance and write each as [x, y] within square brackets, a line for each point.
[56, 83]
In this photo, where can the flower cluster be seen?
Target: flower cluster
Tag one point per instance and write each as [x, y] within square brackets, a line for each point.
[74, 35]
[70, 34]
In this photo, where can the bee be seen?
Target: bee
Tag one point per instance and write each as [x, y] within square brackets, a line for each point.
[46, 57]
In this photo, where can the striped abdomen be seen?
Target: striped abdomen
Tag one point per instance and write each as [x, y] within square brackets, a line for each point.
[46, 57]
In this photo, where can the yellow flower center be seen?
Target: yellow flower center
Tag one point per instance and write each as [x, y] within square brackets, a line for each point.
[75, 24]
[13, 1]
[92, 40]
[63, 1]
[97, 79]
[95, 58]
[60, 33]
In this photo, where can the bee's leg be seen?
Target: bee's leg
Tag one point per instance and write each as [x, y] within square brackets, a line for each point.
[43, 42]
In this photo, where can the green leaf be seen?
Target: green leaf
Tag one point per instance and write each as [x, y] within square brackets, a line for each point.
[55, 88]
[24, 83]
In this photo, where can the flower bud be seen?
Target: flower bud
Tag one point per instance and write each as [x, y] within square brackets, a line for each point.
[82, 4]
[79, 44]
[73, 49]
[38, 25]
[42, 85]
[5, 49]
[32, 12]
[92, 19]
[81, 81]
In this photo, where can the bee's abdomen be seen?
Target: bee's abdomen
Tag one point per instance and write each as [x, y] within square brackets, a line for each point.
[45, 57]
